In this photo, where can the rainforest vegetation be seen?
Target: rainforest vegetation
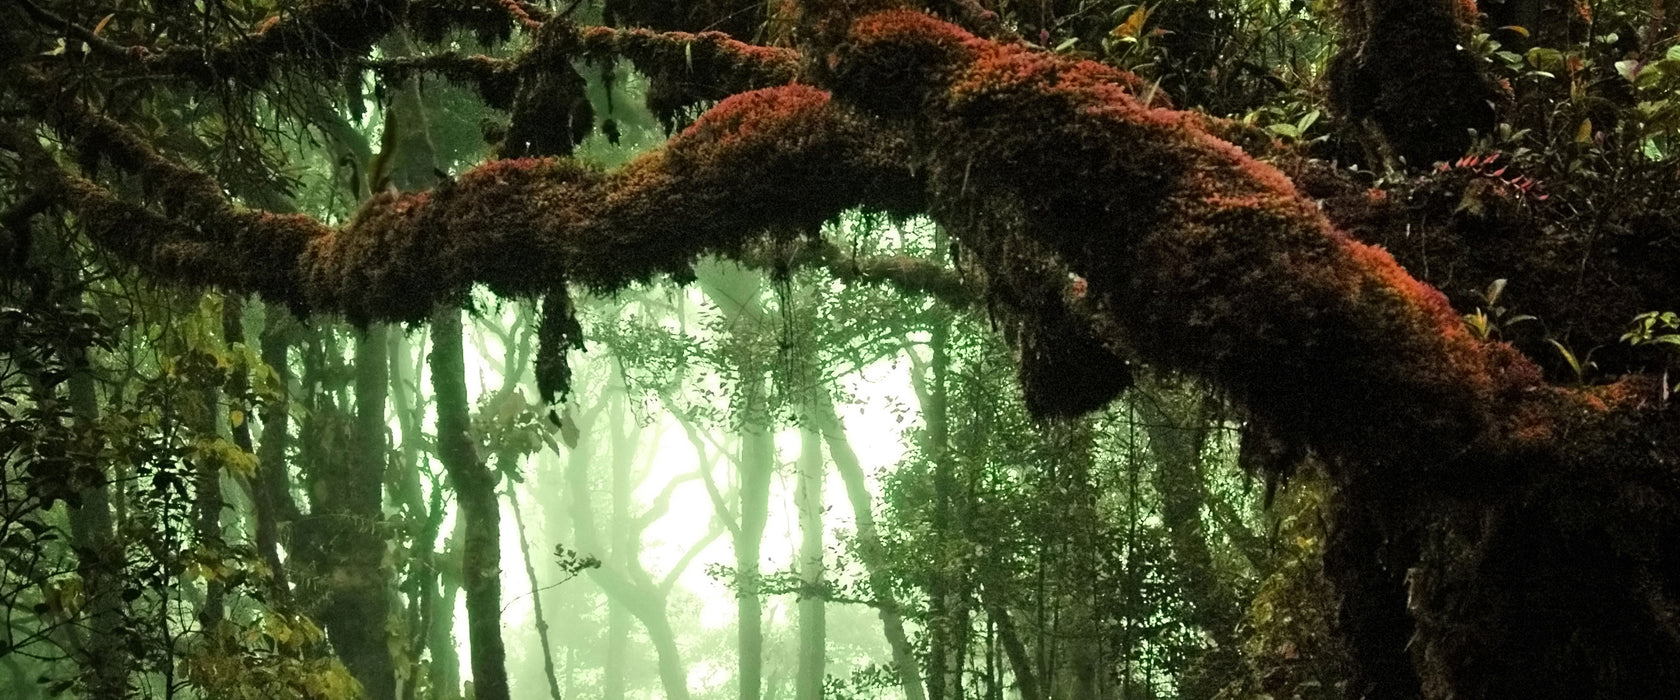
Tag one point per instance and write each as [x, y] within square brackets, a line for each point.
[762, 349]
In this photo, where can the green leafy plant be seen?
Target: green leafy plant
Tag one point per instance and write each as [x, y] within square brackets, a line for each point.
[1486, 324]
[1657, 329]
[1654, 327]
[1580, 367]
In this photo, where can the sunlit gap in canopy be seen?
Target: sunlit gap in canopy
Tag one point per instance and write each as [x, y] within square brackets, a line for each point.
[654, 401]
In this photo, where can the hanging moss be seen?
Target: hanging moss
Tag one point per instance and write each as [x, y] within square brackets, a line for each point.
[494, 79]
[558, 333]
[688, 69]
[550, 114]
[319, 32]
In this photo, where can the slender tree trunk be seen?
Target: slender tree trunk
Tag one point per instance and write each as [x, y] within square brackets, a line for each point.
[480, 514]
[91, 528]
[813, 632]
[630, 591]
[360, 611]
[92, 532]
[622, 551]
[947, 619]
[736, 293]
[1177, 432]
[424, 512]
[1020, 662]
[440, 625]
[272, 489]
[207, 507]
[618, 650]
[870, 549]
[536, 595]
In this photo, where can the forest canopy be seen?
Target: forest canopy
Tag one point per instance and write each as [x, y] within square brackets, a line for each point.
[1237, 348]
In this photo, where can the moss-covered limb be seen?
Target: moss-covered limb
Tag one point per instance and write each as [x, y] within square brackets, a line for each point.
[686, 69]
[1450, 459]
[490, 21]
[743, 19]
[494, 79]
[52, 21]
[1198, 258]
[199, 237]
[324, 32]
[1567, 589]
[518, 226]
[1403, 71]
[909, 275]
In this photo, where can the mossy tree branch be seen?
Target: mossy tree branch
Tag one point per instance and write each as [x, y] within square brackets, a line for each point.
[1195, 258]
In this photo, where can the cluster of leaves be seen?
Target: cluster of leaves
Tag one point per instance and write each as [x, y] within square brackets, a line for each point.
[46, 458]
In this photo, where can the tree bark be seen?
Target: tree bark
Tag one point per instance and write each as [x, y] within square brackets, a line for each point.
[536, 596]
[870, 550]
[480, 513]
[813, 632]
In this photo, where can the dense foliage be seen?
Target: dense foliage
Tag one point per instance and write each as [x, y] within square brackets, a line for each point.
[839, 348]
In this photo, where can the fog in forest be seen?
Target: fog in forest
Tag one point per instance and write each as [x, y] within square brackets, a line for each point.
[844, 349]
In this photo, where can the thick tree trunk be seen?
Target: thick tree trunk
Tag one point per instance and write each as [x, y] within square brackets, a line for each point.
[357, 618]
[480, 513]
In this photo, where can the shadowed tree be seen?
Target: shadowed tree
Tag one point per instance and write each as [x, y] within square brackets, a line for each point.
[1493, 536]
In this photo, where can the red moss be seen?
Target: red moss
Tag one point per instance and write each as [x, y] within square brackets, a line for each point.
[1212, 262]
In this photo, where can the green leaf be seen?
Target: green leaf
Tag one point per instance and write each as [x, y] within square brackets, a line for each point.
[1630, 69]
[1494, 289]
[1544, 58]
[1307, 121]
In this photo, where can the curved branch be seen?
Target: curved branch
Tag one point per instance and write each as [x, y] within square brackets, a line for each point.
[518, 226]
[1198, 258]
